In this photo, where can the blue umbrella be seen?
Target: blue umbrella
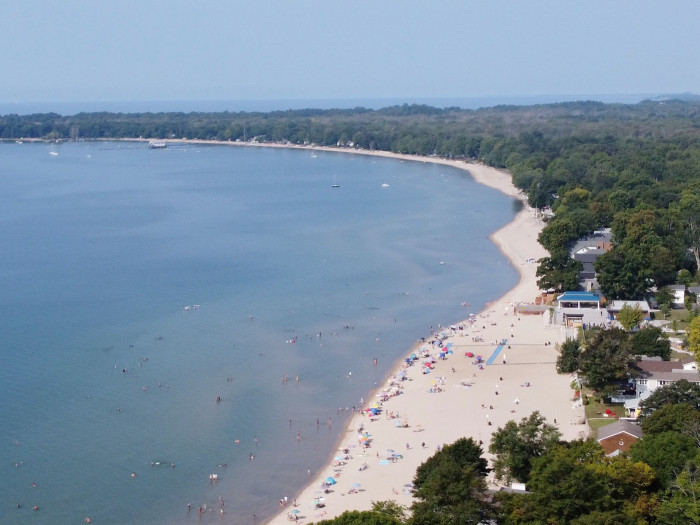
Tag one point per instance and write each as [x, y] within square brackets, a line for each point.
[330, 481]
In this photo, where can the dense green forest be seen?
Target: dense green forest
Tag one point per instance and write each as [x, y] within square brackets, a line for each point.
[633, 168]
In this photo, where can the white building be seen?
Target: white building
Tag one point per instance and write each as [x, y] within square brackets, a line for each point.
[653, 373]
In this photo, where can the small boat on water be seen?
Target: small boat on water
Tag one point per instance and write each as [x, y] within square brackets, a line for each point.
[157, 144]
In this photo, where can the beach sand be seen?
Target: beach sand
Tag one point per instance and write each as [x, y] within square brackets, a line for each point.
[471, 401]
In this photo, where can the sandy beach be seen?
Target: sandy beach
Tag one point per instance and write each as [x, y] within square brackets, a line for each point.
[420, 412]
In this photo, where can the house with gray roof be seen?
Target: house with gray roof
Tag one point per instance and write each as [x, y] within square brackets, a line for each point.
[586, 251]
[651, 373]
[617, 437]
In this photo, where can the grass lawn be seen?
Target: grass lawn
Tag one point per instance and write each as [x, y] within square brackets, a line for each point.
[595, 424]
[679, 315]
[595, 413]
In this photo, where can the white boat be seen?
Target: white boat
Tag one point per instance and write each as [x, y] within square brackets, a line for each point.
[157, 144]
[335, 184]
[52, 151]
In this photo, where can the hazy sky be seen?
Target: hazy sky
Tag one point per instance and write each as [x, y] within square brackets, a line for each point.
[95, 50]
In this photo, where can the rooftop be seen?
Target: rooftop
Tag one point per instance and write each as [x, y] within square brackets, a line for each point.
[616, 306]
[619, 427]
[664, 371]
[579, 296]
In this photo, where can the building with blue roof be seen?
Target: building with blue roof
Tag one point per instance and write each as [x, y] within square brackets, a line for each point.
[579, 308]
[578, 300]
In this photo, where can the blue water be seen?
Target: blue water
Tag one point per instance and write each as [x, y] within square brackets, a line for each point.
[105, 244]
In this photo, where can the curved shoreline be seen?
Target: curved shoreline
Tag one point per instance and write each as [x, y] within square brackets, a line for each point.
[437, 418]
[437, 425]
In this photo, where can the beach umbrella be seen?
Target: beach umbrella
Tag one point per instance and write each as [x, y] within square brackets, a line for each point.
[469, 354]
[339, 458]
[330, 481]
[356, 485]
[294, 511]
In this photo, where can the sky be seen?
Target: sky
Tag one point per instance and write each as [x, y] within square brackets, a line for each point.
[143, 50]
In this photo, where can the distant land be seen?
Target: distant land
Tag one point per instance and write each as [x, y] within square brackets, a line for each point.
[67, 108]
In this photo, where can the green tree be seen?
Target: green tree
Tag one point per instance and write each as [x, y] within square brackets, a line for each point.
[665, 309]
[629, 484]
[650, 341]
[567, 360]
[678, 417]
[690, 212]
[450, 489]
[464, 452]
[367, 517]
[558, 235]
[516, 445]
[606, 358]
[666, 453]
[682, 391]
[575, 483]
[559, 272]
[685, 277]
[682, 504]
[390, 508]
[623, 275]
[694, 337]
[630, 317]
[563, 486]
[664, 296]
[611, 517]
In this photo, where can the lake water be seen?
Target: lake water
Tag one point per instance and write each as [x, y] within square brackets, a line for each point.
[106, 379]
